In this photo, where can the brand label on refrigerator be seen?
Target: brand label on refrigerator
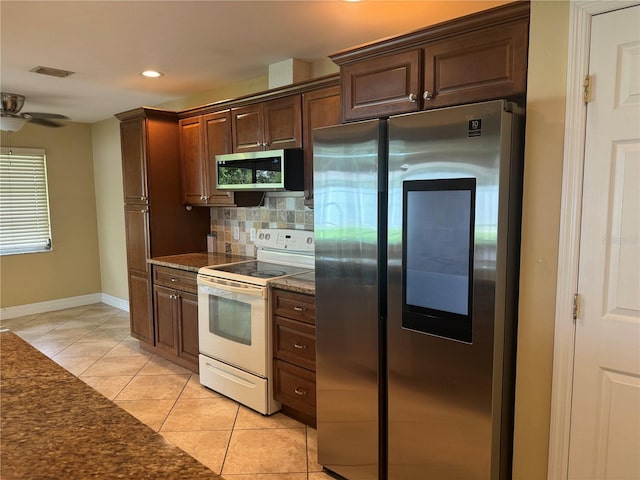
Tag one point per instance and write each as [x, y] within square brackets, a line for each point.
[475, 128]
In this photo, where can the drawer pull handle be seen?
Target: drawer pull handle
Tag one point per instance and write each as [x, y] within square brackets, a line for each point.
[174, 279]
[302, 393]
[299, 309]
[300, 347]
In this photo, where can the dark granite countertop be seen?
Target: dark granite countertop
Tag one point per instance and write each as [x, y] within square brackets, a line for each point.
[302, 283]
[55, 426]
[194, 261]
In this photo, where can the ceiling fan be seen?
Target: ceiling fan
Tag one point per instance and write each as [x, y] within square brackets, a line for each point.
[11, 120]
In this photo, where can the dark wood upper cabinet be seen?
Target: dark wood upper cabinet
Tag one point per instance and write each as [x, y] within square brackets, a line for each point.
[283, 123]
[217, 140]
[201, 139]
[474, 58]
[320, 108]
[477, 66]
[191, 151]
[267, 125]
[248, 132]
[134, 166]
[381, 86]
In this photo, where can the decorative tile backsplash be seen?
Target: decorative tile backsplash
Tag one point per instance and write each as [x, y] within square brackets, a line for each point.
[277, 212]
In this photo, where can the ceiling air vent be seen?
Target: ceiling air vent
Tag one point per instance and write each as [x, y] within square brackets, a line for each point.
[53, 72]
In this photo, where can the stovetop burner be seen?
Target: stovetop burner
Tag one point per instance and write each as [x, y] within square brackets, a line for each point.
[267, 273]
[280, 253]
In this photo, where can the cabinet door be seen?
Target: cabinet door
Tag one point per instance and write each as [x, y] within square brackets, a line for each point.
[283, 123]
[381, 86]
[137, 236]
[192, 166]
[140, 310]
[188, 347]
[247, 128]
[134, 169]
[165, 303]
[320, 108]
[217, 140]
[479, 66]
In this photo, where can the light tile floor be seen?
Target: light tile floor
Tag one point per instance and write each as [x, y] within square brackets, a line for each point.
[93, 343]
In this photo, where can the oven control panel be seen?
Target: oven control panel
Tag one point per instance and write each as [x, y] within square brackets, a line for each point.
[285, 239]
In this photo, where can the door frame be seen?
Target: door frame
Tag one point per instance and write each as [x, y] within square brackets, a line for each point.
[580, 13]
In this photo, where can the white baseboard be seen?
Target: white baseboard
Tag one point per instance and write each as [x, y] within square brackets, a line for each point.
[61, 304]
[116, 302]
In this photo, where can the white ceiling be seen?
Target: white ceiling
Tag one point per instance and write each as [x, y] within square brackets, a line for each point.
[198, 45]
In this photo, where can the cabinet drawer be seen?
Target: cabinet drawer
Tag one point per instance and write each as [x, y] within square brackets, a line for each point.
[174, 278]
[295, 342]
[294, 305]
[295, 387]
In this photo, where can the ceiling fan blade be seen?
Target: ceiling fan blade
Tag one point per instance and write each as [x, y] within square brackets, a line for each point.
[45, 122]
[39, 115]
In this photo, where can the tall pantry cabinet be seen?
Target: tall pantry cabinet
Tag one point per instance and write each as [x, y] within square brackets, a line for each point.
[156, 221]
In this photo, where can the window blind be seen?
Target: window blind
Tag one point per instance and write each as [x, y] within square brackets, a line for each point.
[24, 201]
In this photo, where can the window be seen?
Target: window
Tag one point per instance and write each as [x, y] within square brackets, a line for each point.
[24, 202]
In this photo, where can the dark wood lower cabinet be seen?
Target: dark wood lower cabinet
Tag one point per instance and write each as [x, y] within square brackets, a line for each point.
[188, 348]
[165, 318]
[294, 351]
[175, 315]
[140, 307]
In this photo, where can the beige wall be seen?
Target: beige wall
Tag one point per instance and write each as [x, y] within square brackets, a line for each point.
[234, 90]
[72, 268]
[540, 227]
[107, 167]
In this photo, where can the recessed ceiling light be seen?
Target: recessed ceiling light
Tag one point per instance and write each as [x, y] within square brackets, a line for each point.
[152, 74]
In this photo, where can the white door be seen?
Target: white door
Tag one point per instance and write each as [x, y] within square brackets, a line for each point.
[605, 419]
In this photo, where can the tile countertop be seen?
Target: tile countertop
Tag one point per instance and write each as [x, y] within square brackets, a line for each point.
[56, 426]
[194, 261]
[303, 283]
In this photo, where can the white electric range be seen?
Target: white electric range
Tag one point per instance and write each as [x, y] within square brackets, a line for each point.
[234, 320]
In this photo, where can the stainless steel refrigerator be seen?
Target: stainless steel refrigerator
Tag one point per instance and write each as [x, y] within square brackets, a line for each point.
[417, 233]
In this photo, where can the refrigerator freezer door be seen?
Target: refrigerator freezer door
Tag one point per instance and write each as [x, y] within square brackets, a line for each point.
[446, 385]
[346, 163]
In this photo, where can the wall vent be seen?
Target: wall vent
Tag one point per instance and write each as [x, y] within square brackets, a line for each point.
[53, 72]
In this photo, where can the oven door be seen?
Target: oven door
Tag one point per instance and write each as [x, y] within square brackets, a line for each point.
[232, 323]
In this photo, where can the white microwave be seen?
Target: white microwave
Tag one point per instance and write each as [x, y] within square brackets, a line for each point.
[267, 171]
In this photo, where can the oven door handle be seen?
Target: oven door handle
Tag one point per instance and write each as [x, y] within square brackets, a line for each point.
[211, 287]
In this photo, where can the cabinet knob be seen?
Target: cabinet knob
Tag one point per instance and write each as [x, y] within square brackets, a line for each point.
[144, 210]
[413, 97]
[427, 95]
[301, 392]
[174, 279]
